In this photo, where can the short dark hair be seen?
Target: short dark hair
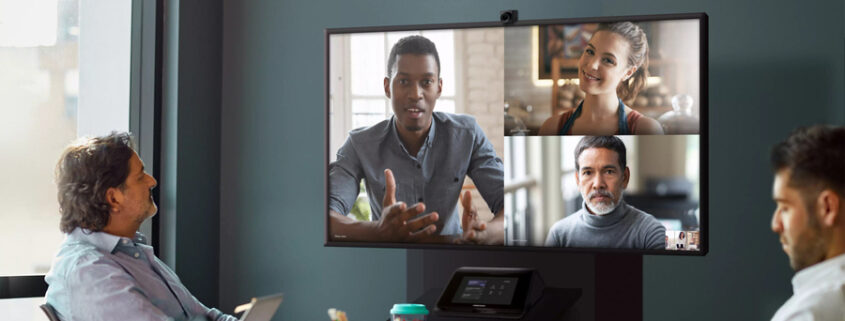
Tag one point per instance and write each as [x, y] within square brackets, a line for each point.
[815, 156]
[610, 142]
[416, 45]
[85, 171]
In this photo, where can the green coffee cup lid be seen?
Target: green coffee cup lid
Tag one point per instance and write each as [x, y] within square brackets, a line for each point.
[409, 309]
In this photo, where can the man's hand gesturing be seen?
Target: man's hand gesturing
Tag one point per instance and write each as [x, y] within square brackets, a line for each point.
[398, 222]
[475, 231]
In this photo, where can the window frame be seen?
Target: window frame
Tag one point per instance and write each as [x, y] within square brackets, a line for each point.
[347, 96]
[144, 122]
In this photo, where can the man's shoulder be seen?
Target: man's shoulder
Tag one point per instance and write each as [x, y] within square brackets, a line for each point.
[75, 250]
[641, 217]
[376, 132]
[827, 289]
[455, 121]
[76, 257]
[567, 223]
[562, 232]
[825, 303]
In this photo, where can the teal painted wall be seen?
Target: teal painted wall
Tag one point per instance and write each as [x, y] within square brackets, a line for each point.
[773, 66]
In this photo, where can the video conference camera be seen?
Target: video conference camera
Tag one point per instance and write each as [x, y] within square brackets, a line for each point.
[507, 17]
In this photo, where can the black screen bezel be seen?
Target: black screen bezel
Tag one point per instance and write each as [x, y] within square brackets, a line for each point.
[704, 151]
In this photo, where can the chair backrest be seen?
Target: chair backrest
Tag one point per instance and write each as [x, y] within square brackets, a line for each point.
[49, 311]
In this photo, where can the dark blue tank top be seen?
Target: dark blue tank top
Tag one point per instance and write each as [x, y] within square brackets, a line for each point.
[623, 125]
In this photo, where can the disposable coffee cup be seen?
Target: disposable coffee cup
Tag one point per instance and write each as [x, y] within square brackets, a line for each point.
[408, 312]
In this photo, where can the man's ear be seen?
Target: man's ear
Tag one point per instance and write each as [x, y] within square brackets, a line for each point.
[387, 87]
[627, 176]
[114, 197]
[828, 205]
[439, 86]
[577, 178]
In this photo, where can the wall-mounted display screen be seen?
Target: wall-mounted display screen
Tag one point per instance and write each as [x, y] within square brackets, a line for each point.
[562, 135]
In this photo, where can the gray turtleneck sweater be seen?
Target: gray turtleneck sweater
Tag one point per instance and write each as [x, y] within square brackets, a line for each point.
[624, 228]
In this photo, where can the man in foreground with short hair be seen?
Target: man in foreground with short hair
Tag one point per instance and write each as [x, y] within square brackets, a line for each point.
[605, 221]
[809, 190]
[414, 164]
[104, 270]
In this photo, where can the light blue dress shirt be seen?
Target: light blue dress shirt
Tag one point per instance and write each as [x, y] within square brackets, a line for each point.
[454, 148]
[99, 276]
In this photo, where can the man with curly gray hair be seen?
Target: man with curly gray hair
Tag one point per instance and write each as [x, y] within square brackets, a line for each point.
[104, 270]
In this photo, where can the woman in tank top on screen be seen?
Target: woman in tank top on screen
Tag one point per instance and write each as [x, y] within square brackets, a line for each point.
[612, 68]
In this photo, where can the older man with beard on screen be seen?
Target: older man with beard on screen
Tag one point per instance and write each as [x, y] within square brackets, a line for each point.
[605, 221]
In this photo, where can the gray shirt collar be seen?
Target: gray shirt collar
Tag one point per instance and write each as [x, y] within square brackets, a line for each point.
[428, 138]
[611, 218]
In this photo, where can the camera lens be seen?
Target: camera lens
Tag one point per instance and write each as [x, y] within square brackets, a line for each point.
[508, 16]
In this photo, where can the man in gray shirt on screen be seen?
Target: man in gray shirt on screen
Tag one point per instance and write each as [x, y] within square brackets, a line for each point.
[414, 164]
[605, 221]
[104, 270]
